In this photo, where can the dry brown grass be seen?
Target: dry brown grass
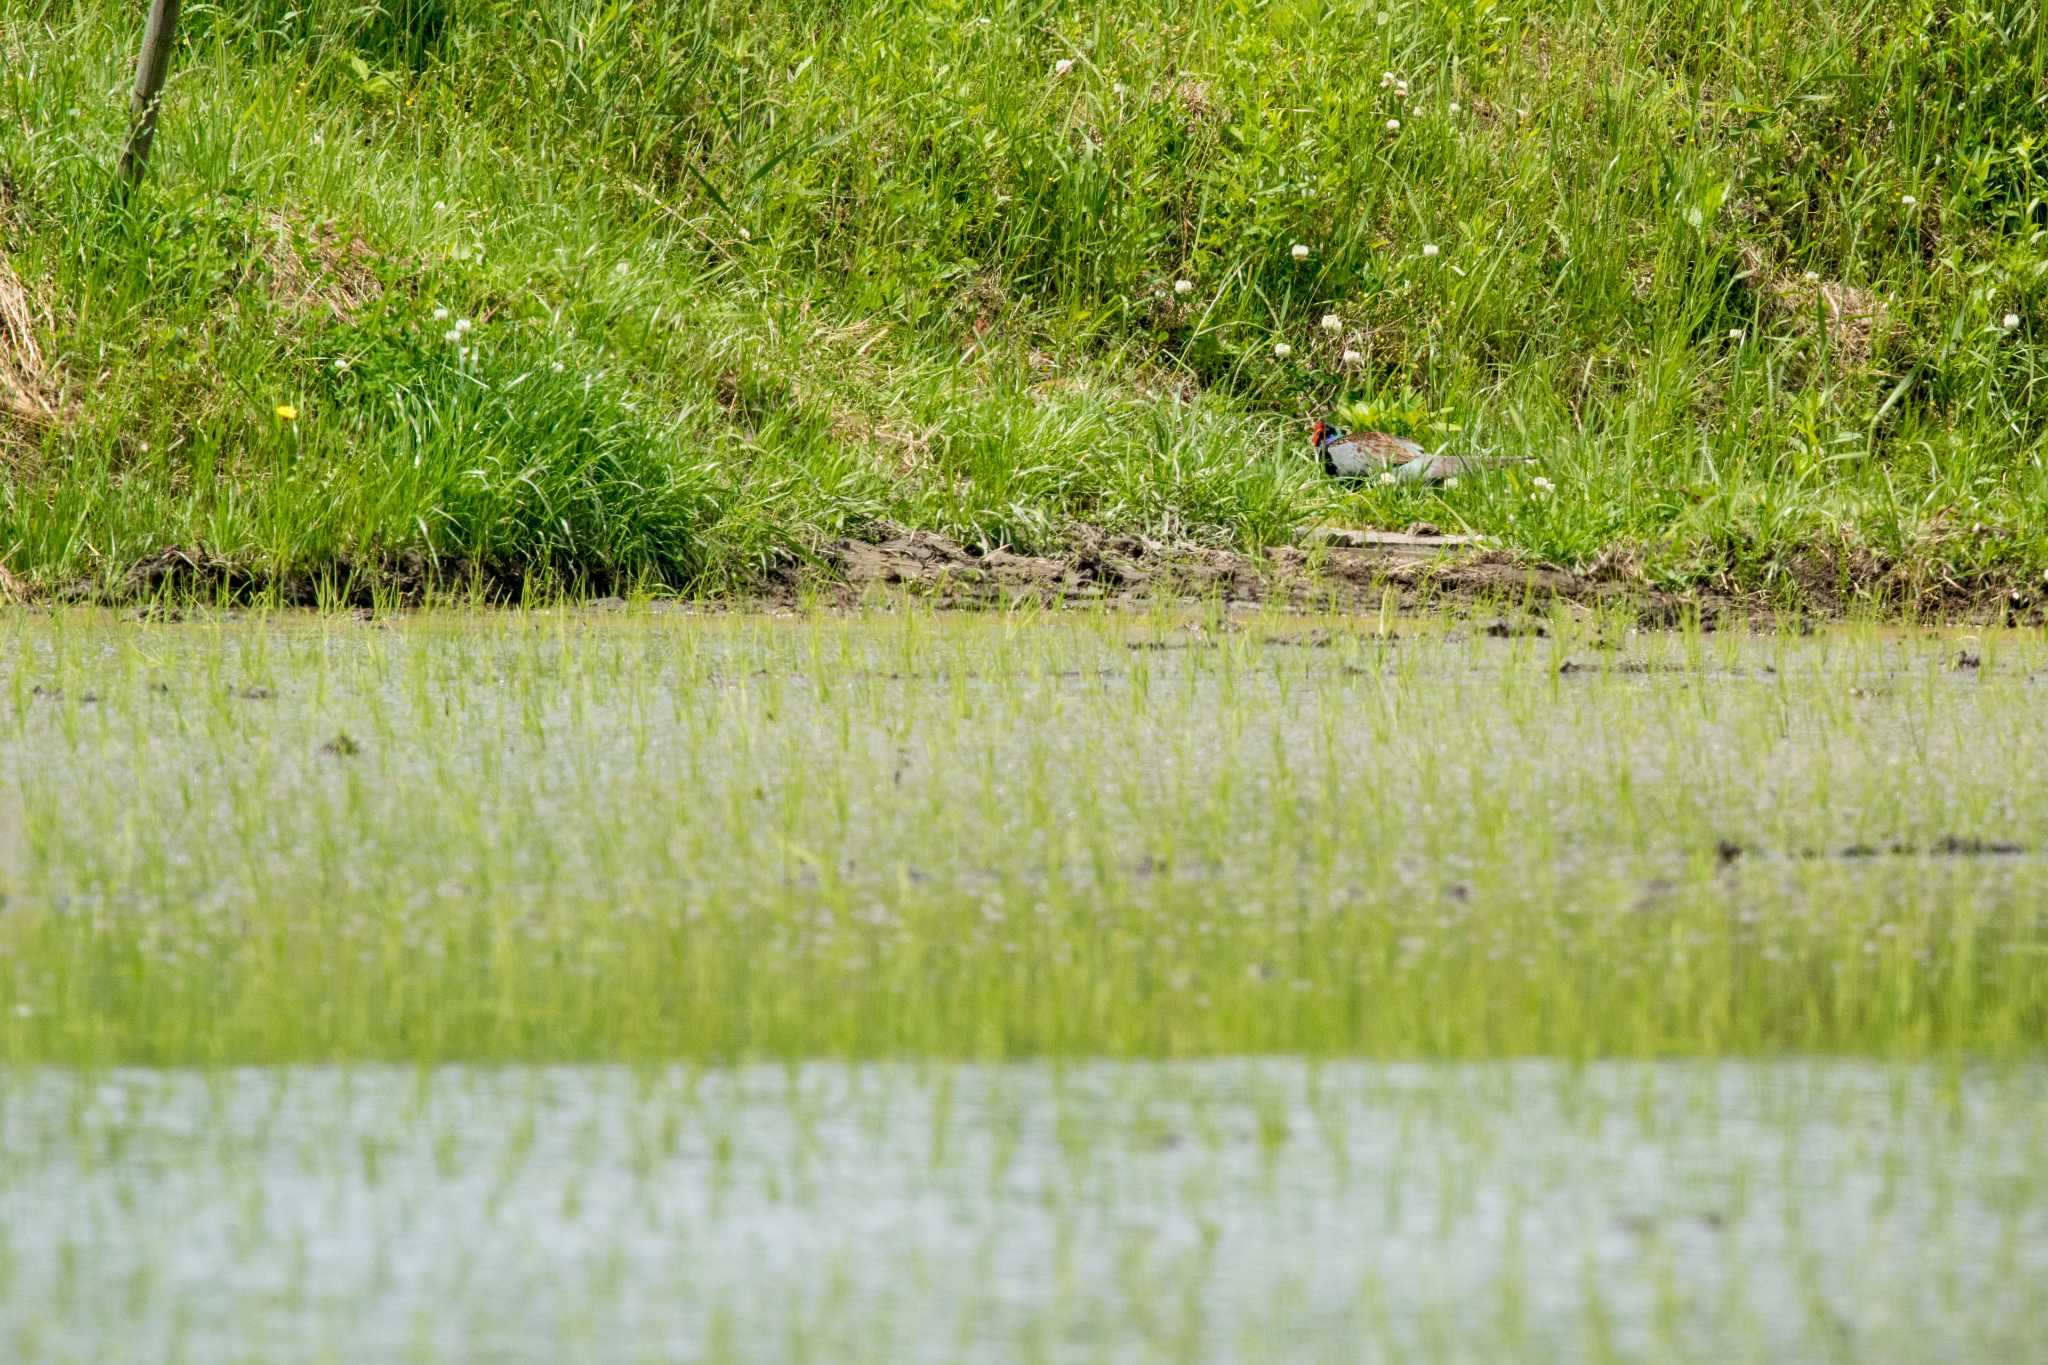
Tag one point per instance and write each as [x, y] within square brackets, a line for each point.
[318, 267]
[1852, 318]
[25, 389]
[1196, 102]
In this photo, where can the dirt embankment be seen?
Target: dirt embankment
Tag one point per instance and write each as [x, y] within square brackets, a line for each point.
[1418, 571]
[1346, 571]
[1091, 567]
[1408, 572]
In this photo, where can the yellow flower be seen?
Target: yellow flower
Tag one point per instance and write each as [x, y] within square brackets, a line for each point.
[287, 413]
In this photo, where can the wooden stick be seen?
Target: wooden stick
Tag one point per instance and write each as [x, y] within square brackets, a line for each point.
[157, 37]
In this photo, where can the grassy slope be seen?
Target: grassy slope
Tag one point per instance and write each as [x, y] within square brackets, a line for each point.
[805, 267]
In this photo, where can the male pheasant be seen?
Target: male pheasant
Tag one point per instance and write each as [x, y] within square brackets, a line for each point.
[1358, 455]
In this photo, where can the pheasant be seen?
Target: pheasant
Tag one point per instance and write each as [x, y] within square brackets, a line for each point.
[1354, 455]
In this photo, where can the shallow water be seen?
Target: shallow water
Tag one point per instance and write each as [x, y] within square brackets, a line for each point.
[1252, 1209]
[324, 944]
[511, 836]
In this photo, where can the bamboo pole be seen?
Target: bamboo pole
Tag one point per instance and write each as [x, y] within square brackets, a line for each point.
[155, 63]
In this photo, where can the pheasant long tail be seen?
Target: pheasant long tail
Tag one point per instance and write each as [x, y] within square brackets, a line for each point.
[1437, 468]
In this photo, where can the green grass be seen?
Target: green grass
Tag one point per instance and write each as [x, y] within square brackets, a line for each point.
[811, 269]
[548, 837]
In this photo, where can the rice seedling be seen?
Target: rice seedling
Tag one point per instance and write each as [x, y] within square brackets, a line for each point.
[1134, 1210]
[1160, 986]
[557, 836]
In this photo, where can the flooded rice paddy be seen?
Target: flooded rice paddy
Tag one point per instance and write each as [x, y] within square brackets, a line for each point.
[646, 986]
[1122, 1211]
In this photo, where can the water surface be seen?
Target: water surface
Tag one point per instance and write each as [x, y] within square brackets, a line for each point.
[1250, 1209]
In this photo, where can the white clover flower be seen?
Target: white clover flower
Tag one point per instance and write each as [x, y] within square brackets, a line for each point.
[1386, 80]
[1387, 478]
[1542, 485]
[1451, 482]
[1401, 93]
[1063, 66]
[440, 315]
[1735, 334]
[1183, 287]
[462, 324]
[1352, 357]
[1393, 125]
[340, 364]
[1332, 323]
[1429, 248]
[1118, 89]
[555, 368]
[1812, 277]
[1451, 108]
[1909, 201]
[746, 236]
[1299, 251]
[451, 336]
[2011, 320]
[1281, 350]
[440, 207]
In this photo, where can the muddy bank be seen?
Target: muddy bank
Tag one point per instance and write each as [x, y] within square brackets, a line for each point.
[1412, 572]
[1334, 570]
[1362, 571]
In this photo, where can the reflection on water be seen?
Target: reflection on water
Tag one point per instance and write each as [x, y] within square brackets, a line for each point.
[1262, 1209]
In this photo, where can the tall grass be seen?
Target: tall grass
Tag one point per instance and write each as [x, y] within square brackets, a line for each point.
[1739, 278]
